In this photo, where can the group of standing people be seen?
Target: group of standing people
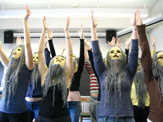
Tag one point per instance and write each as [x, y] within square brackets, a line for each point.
[44, 89]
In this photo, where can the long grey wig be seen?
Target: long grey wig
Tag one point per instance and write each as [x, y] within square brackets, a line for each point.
[35, 77]
[114, 80]
[141, 88]
[55, 76]
[157, 71]
[12, 74]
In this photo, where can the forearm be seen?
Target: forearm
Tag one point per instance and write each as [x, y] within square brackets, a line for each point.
[42, 42]
[4, 59]
[62, 51]
[28, 49]
[52, 50]
[93, 34]
[69, 58]
[27, 37]
[146, 60]
[81, 57]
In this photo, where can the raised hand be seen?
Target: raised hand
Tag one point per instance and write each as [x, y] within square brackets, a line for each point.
[133, 20]
[81, 32]
[63, 46]
[153, 43]
[118, 43]
[138, 18]
[28, 13]
[112, 43]
[50, 34]
[46, 25]
[67, 24]
[0, 45]
[94, 21]
[128, 42]
[19, 41]
[88, 44]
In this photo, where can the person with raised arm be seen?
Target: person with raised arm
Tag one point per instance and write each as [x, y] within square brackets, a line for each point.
[153, 74]
[115, 78]
[55, 80]
[74, 99]
[94, 86]
[19, 69]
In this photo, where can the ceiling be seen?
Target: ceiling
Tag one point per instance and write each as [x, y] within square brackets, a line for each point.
[45, 4]
[104, 23]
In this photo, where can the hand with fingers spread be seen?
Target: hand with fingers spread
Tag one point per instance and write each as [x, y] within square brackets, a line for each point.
[112, 43]
[50, 34]
[28, 13]
[19, 41]
[45, 24]
[118, 43]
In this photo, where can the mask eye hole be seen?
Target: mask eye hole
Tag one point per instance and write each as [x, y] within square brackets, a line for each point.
[19, 49]
[112, 51]
[118, 51]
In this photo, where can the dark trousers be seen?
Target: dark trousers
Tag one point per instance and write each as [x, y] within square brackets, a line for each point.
[62, 119]
[141, 114]
[13, 117]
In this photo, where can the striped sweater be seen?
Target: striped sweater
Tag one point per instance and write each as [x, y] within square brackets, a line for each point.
[94, 86]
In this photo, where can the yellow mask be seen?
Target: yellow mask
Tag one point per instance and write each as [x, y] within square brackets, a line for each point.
[35, 58]
[160, 58]
[60, 60]
[115, 53]
[17, 52]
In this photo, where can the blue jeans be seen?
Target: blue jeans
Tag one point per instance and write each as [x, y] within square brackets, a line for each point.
[74, 109]
[33, 110]
[116, 119]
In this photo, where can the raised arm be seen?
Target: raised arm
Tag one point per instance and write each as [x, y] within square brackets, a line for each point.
[153, 46]
[81, 55]
[27, 42]
[41, 58]
[50, 41]
[63, 48]
[69, 58]
[97, 56]
[146, 59]
[127, 45]
[4, 59]
[19, 41]
[118, 43]
[133, 60]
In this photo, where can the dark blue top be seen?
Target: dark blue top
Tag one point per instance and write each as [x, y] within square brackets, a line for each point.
[75, 83]
[116, 109]
[59, 109]
[37, 91]
[17, 102]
